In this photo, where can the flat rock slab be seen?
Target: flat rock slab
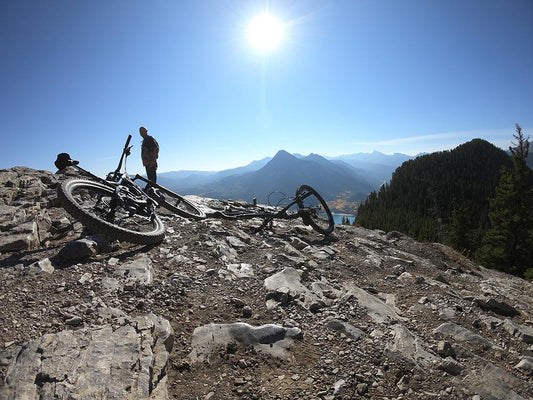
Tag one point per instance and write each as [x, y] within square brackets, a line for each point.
[289, 280]
[462, 334]
[494, 383]
[344, 327]
[139, 270]
[411, 347]
[10, 217]
[22, 237]
[128, 362]
[524, 332]
[499, 307]
[269, 338]
[378, 310]
[242, 270]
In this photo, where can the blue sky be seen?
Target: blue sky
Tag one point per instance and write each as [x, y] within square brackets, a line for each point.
[348, 76]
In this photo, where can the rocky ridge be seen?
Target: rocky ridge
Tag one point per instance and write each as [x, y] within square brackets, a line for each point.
[217, 311]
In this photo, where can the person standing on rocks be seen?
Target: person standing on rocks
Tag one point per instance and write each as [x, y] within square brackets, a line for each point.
[149, 154]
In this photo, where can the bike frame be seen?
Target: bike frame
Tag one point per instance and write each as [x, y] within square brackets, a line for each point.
[119, 180]
[268, 216]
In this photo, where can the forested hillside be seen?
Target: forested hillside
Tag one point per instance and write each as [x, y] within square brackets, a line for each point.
[422, 194]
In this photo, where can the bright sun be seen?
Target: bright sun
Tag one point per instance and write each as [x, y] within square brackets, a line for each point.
[265, 32]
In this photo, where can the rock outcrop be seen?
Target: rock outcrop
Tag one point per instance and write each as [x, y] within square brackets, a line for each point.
[218, 311]
[115, 362]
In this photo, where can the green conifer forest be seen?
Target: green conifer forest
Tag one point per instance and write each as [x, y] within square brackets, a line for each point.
[470, 198]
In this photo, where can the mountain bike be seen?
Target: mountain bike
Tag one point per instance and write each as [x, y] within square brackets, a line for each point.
[117, 206]
[307, 204]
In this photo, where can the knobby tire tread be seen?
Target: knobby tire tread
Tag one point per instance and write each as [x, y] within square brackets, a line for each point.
[64, 192]
[196, 213]
[331, 221]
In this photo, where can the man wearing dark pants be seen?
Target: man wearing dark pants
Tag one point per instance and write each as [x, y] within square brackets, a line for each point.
[149, 154]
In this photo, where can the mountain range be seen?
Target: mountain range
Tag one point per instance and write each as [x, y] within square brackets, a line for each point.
[343, 181]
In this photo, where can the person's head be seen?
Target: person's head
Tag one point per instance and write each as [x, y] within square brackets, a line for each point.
[143, 131]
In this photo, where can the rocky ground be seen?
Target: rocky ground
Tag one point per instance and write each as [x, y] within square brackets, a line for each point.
[217, 311]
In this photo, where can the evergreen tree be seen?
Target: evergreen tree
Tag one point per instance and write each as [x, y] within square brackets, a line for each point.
[508, 243]
[459, 234]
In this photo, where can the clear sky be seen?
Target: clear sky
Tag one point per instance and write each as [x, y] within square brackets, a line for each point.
[346, 76]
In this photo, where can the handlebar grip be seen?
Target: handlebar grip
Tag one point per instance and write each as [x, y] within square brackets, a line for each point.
[125, 153]
[127, 141]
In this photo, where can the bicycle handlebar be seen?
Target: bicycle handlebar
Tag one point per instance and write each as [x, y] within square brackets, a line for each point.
[125, 153]
[128, 140]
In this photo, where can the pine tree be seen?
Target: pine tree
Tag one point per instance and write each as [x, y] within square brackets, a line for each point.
[508, 243]
[459, 235]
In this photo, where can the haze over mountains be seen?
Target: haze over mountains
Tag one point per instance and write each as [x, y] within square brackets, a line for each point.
[343, 181]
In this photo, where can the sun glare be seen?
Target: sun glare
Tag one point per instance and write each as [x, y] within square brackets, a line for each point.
[265, 32]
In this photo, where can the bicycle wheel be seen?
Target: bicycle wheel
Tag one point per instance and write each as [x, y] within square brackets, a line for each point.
[179, 204]
[129, 220]
[315, 210]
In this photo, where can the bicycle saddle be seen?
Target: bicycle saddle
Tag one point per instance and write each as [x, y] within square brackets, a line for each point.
[63, 160]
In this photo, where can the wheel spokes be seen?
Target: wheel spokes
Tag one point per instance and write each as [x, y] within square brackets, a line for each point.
[113, 210]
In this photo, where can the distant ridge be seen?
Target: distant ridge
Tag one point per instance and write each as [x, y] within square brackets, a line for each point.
[376, 157]
[339, 182]
[376, 167]
[178, 179]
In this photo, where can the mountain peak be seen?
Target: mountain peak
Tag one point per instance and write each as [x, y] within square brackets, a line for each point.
[283, 154]
[314, 156]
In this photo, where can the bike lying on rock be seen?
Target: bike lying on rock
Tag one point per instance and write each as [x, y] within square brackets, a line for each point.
[117, 206]
[307, 204]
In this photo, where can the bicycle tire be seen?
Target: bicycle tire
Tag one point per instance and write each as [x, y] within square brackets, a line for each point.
[179, 204]
[317, 212]
[88, 202]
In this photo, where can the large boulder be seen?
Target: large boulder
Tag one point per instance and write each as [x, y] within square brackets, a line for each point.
[126, 362]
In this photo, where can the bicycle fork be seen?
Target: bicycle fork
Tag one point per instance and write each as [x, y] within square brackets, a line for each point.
[265, 222]
[110, 217]
[305, 215]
